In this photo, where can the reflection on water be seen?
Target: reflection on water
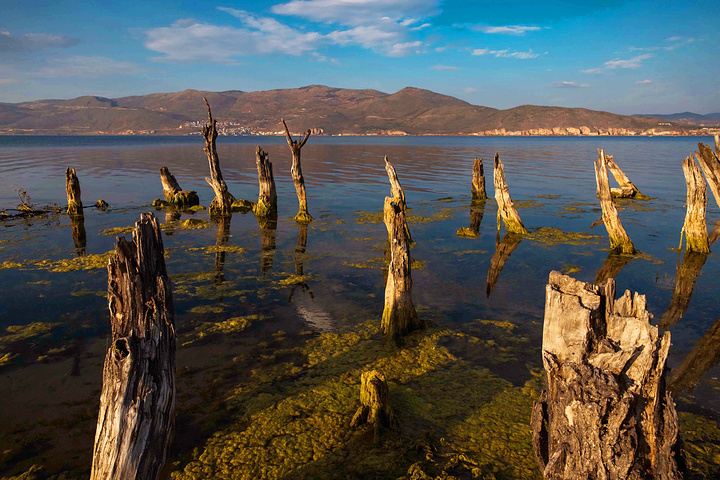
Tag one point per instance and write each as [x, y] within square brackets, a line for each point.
[503, 250]
[268, 231]
[612, 267]
[79, 236]
[221, 239]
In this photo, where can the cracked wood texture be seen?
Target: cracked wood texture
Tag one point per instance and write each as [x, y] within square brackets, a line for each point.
[605, 413]
[296, 171]
[222, 203]
[506, 209]
[619, 240]
[267, 197]
[72, 188]
[137, 403]
[710, 164]
[627, 188]
[478, 182]
[398, 195]
[695, 226]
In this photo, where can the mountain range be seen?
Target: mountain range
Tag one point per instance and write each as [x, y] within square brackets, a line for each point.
[324, 109]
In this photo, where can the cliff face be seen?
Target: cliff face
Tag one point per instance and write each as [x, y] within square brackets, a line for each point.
[410, 111]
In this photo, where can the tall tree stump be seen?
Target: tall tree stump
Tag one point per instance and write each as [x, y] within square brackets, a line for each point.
[375, 407]
[605, 413]
[619, 240]
[627, 188]
[399, 315]
[72, 188]
[137, 404]
[296, 171]
[695, 226]
[506, 210]
[398, 195]
[266, 205]
[222, 203]
[479, 194]
[710, 164]
[174, 194]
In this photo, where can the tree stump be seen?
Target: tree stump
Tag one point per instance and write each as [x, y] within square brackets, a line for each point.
[266, 205]
[627, 188]
[503, 250]
[695, 226]
[479, 195]
[710, 164]
[137, 404]
[605, 413]
[72, 188]
[375, 407]
[399, 315]
[506, 209]
[296, 171]
[619, 240]
[223, 201]
[175, 195]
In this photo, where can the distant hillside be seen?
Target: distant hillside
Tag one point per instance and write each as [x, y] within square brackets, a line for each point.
[689, 118]
[327, 110]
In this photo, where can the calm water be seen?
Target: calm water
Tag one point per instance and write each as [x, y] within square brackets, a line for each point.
[51, 377]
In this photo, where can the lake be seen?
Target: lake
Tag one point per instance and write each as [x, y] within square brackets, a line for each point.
[275, 325]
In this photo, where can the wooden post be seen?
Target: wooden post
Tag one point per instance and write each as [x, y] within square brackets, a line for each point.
[710, 164]
[503, 250]
[174, 194]
[478, 182]
[399, 315]
[476, 215]
[695, 226]
[222, 203]
[619, 240]
[137, 404]
[506, 209]
[605, 412]
[627, 188]
[296, 171]
[72, 188]
[266, 205]
[375, 407]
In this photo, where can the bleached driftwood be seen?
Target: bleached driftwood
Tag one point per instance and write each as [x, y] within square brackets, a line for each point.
[710, 164]
[296, 171]
[627, 188]
[619, 240]
[506, 210]
[695, 226]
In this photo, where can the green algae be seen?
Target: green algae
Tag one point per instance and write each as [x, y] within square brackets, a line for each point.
[466, 232]
[570, 269]
[17, 333]
[40, 282]
[364, 218]
[377, 262]
[85, 262]
[194, 224]
[441, 214]
[196, 208]
[701, 438]
[229, 326]
[9, 264]
[508, 326]
[117, 231]
[6, 358]
[572, 209]
[552, 236]
[527, 204]
[549, 195]
[470, 252]
[85, 293]
[219, 249]
[202, 309]
[294, 279]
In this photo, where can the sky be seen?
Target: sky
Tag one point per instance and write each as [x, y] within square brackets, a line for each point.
[620, 56]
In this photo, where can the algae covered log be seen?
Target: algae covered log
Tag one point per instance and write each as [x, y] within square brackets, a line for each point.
[506, 210]
[695, 226]
[266, 205]
[296, 171]
[619, 240]
[137, 404]
[174, 194]
[627, 188]
[222, 203]
[605, 412]
[375, 407]
[72, 188]
[478, 182]
[710, 164]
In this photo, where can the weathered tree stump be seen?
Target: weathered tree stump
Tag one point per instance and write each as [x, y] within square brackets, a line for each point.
[704, 356]
[479, 195]
[695, 226]
[506, 210]
[476, 215]
[223, 202]
[137, 404]
[375, 407]
[710, 164]
[72, 188]
[399, 315]
[296, 171]
[266, 205]
[627, 188]
[398, 195]
[503, 250]
[619, 240]
[605, 412]
[175, 195]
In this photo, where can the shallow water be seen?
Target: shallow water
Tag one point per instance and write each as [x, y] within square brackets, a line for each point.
[52, 374]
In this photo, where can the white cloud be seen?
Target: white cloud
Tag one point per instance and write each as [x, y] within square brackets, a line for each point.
[506, 53]
[403, 49]
[507, 29]
[79, 66]
[679, 42]
[368, 36]
[28, 42]
[644, 82]
[445, 68]
[569, 85]
[359, 12]
[8, 81]
[635, 62]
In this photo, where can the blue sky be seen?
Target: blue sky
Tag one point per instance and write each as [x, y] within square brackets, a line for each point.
[620, 56]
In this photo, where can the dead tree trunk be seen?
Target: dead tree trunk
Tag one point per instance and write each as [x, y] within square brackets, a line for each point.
[695, 226]
[710, 164]
[478, 183]
[399, 315]
[222, 203]
[619, 240]
[72, 188]
[605, 413]
[267, 198]
[137, 404]
[506, 209]
[398, 195]
[174, 194]
[375, 407]
[296, 171]
[503, 250]
[627, 188]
